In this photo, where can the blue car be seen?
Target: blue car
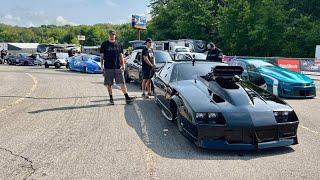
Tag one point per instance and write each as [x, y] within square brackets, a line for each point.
[280, 81]
[84, 63]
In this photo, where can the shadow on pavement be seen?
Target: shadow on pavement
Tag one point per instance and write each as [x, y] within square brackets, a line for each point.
[68, 108]
[163, 138]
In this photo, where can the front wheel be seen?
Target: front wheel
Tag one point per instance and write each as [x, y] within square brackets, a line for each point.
[179, 123]
[57, 65]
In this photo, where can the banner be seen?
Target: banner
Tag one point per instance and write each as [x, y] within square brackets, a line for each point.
[291, 64]
[139, 22]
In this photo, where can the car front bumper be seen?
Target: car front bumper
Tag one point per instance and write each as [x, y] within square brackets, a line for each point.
[280, 135]
[297, 91]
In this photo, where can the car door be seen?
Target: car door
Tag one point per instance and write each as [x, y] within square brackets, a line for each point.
[161, 84]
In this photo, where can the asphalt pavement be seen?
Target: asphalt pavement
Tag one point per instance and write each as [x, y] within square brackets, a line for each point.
[57, 124]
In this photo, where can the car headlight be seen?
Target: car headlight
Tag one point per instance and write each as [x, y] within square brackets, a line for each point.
[210, 118]
[285, 116]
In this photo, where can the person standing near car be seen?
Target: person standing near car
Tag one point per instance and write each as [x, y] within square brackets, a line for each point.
[147, 68]
[214, 54]
[113, 65]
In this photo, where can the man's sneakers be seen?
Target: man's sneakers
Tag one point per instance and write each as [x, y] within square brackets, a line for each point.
[144, 96]
[111, 101]
[129, 100]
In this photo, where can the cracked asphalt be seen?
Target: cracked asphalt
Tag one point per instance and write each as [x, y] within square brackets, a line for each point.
[57, 124]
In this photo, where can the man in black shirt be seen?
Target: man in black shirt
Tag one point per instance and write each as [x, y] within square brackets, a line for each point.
[214, 54]
[147, 68]
[113, 65]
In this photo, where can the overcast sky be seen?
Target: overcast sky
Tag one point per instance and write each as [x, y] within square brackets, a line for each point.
[29, 13]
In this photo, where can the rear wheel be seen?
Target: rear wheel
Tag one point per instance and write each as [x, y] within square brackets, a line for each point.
[85, 69]
[46, 65]
[126, 77]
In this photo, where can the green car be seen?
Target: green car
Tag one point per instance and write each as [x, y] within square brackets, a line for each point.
[280, 81]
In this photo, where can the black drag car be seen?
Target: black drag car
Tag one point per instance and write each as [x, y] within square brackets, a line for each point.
[215, 109]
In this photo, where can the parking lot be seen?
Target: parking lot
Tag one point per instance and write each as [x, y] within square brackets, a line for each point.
[57, 124]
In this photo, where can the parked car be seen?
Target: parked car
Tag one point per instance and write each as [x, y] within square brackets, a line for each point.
[23, 59]
[280, 81]
[56, 59]
[134, 64]
[85, 63]
[38, 60]
[215, 109]
[189, 56]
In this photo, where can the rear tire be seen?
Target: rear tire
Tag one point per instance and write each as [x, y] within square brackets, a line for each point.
[85, 69]
[126, 77]
[46, 65]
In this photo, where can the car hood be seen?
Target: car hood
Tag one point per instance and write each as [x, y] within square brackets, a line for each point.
[239, 107]
[284, 75]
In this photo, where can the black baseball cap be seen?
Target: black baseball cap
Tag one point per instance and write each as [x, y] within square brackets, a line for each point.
[112, 32]
[148, 40]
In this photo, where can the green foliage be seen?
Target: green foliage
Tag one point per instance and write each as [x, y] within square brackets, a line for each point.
[95, 34]
[242, 27]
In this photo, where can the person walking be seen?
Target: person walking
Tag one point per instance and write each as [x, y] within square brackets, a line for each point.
[147, 68]
[113, 65]
[214, 54]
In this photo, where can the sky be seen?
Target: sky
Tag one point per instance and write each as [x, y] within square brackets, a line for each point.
[29, 13]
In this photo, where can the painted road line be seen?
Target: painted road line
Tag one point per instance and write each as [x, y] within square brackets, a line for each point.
[150, 160]
[310, 130]
[18, 101]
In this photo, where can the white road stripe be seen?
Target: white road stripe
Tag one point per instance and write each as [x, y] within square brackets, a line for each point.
[314, 132]
[18, 101]
[145, 137]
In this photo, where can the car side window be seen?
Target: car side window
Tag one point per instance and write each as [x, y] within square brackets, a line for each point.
[165, 73]
[132, 57]
[139, 57]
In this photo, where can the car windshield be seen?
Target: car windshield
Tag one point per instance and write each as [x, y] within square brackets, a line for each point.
[186, 71]
[62, 55]
[259, 63]
[162, 57]
[182, 50]
[24, 55]
[190, 56]
[95, 58]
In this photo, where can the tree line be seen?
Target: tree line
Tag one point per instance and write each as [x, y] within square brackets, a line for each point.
[239, 27]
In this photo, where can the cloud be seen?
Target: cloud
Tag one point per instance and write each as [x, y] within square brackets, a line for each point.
[61, 21]
[111, 3]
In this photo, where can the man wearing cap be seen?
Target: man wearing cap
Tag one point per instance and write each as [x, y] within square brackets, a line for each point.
[214, 54]
[147, 68]
[113, 65]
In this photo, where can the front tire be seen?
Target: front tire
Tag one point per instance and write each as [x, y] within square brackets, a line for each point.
[46, 65]
[57, 65]
[179, 123]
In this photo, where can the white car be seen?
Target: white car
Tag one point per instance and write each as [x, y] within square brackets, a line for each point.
[56, 59]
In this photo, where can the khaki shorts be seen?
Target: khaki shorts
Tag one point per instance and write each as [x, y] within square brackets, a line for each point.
[113, 74]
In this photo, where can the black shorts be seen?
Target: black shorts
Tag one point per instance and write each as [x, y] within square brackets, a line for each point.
[147, 73]
[111, 75]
